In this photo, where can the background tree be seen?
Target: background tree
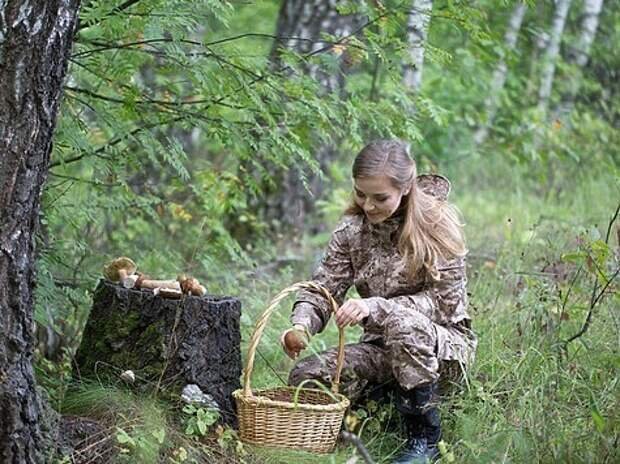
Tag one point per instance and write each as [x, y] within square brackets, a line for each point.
[417, 31]
[303, 28]
[551, 53]
[35, 43]
[499, 74]
[579, 54]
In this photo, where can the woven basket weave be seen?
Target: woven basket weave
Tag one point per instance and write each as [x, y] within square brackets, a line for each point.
[288, 417]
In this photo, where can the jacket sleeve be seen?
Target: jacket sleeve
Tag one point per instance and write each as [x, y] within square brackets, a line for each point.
[443, 301]
[334, 272]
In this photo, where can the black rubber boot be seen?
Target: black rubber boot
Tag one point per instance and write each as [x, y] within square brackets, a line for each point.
[419, 409]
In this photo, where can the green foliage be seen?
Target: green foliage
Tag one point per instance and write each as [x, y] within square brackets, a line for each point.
[199, 420]
[171, 121]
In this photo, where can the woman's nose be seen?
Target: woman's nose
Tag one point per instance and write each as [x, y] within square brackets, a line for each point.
[368, 205]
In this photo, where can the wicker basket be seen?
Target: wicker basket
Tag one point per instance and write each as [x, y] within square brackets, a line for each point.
[274, 417]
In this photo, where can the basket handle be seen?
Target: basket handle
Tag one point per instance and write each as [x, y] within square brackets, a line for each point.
[262, 323]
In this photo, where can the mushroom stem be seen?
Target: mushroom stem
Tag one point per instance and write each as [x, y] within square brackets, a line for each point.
[129, 281]
[173, 284]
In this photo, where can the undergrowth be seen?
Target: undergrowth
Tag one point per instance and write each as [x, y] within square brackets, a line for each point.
[536, 261]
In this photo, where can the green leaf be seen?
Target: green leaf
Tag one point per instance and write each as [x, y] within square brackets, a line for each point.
[574, 257]
[202, 427]
[160, 435]
[598, 419]
[124, 438]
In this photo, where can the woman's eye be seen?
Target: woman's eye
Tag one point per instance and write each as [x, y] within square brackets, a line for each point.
[381, 200]
[359, 194]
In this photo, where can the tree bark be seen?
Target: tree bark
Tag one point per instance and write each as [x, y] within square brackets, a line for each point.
[35, 41]
[300, 24]
[552, 52]
[499, 74]
[417, 32]
[580, 54]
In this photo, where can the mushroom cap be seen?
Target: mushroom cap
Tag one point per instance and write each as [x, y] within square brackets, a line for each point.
[111, 269]
[191, 285]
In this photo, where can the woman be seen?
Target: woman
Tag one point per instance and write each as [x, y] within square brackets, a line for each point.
[401, 244]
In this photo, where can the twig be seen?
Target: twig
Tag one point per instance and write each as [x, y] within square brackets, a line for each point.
[116, 141]
[568, 292]
[357, 442]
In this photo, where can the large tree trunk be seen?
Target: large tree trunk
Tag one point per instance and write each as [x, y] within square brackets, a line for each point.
[35, 41]
[552, 52]
[307, 20]
[580, 54]
[417, 32]
[499, 74]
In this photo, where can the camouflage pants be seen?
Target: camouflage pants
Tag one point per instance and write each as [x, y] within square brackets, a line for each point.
[411, 351]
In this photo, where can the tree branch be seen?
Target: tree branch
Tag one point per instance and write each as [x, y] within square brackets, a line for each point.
[116, 141]
[593, 304]
[596, 295]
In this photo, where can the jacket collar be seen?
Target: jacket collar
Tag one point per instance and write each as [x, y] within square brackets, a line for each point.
[387, 229]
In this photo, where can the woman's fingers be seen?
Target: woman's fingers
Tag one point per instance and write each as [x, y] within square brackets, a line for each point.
[351, 312]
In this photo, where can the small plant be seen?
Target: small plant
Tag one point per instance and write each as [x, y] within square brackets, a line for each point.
[199, 419]
[140, 443]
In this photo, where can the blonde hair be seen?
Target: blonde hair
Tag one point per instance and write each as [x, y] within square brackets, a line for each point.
[432, 228]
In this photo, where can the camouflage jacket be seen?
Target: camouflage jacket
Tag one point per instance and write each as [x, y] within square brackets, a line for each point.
[366, 255]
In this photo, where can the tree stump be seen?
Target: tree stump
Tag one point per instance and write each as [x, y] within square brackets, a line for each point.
[167, 343]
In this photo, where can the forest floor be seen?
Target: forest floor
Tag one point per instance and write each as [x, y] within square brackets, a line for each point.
[537, 266]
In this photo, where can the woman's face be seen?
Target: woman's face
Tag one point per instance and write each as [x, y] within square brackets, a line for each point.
[377, 197]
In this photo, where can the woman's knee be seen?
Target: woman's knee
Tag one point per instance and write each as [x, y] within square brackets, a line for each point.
[407, 322]
[311, 367]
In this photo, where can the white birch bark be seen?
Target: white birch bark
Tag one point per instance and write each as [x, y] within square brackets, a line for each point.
[552, 52]
[580, 54]
[499, 74]
[417, 32]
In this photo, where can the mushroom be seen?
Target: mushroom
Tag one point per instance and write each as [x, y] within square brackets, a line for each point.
[121, 270]
[191, 285]
[128, 376]
[164, 292]
[145, 282]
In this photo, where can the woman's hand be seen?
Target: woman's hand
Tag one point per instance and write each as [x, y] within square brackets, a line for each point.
[352, 312]
[293, 341]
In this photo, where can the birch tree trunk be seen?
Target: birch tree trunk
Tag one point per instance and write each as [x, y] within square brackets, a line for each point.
[35, 42]
[499, 74]
[305, 21]
[580, 54]
[417, 33]
[551, 55]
